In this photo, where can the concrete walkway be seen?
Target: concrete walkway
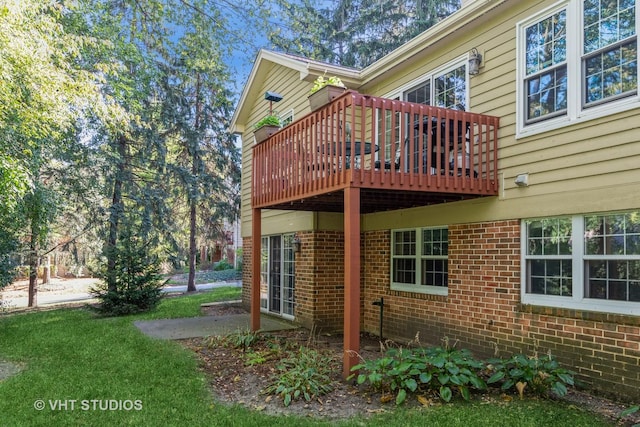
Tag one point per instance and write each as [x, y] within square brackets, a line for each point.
[205, 326]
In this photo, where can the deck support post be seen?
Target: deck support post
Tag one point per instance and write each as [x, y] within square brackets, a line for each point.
[256, 241]
[351, 279]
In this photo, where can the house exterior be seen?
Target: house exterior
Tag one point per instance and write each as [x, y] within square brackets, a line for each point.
[500, 210]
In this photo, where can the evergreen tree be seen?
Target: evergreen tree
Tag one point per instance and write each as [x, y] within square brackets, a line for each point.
[354, 33]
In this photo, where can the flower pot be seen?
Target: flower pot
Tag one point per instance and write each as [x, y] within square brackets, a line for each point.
[325, 95]
[264, 132]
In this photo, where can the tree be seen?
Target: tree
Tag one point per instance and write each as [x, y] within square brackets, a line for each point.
[196, 100]
[112, 114]
[173, 83]
[43, 92]
[354, 33]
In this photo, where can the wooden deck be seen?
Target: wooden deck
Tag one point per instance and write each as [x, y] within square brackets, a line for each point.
[399, 154]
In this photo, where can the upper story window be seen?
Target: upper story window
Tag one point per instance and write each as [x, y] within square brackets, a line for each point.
[419, 260]
[577, 61]
[584, 262]
[446, 88]
[287, 118]
[546, 63]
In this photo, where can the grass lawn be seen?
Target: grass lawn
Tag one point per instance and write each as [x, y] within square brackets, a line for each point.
[69, 354]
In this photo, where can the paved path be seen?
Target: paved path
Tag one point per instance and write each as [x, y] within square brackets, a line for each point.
[54, 298]
[206, 326]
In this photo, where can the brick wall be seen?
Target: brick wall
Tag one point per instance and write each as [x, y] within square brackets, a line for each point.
[320, 298]
[319, 288]
[247, 250]
[482, 310]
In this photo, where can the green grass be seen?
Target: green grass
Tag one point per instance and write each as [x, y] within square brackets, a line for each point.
[189, 305]
[71, 354]
[206, 276]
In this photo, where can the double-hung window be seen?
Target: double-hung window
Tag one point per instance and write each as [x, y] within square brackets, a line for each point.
[576, 61]
[587, 262]
[419, 260]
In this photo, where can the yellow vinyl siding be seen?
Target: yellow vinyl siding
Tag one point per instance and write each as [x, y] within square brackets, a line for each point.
[287, 83]
[591, 166]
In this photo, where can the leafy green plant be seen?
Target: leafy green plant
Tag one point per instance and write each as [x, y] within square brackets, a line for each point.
[270, 120]
[223, 265]
[402, 371]
[455, 371]
[243, 339]
[253, 358]
[304, 374]
[321, 82]
[629, 411]
[541, 375]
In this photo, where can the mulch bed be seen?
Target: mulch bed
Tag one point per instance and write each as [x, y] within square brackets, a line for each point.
[234, 382]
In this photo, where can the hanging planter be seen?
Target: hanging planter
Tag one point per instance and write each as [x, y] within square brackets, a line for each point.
[266, 127]
[324, 91]
[264, 132]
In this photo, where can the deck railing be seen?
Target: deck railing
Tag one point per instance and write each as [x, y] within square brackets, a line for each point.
[369, 142]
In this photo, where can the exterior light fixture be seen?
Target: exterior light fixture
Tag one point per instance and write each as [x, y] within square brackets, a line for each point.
[475, 59]
[272, 97]
[297, 244]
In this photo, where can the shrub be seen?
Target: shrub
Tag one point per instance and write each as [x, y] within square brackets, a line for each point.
[304, 374]
[541, 375]
[223, 265]
[138, 282]
[445, 370]
[8, 271]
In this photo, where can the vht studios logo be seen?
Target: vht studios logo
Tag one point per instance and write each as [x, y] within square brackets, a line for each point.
[88, 405]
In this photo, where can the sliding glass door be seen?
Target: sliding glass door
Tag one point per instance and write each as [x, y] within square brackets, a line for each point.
[277, 287]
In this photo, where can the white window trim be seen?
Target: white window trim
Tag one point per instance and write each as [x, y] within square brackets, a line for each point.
[419, 289]
[577, 301]
[462, 60]
[575, 111]
[288, 114]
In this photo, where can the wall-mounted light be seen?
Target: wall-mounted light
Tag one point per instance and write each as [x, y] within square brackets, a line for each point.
[522, 180]
[297, 244]
[272, 97]
[475, 59]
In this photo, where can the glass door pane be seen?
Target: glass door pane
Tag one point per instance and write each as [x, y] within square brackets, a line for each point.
[288, 276]
[275, 273]
[264, 273]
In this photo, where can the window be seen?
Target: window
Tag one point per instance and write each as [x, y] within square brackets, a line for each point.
[445, 87]
[449, 88]
[419, 260]
[584, 262]
[546, 63]
[287, 118]
[571, 78]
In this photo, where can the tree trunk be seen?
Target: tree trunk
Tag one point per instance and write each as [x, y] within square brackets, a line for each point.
[33, 267]
[193, 200]
[115, 214]
[191, 284]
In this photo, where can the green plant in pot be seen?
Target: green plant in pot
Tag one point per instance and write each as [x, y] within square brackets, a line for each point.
[321, 82]
[270, 120]
[325, 90]
[266, 127]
